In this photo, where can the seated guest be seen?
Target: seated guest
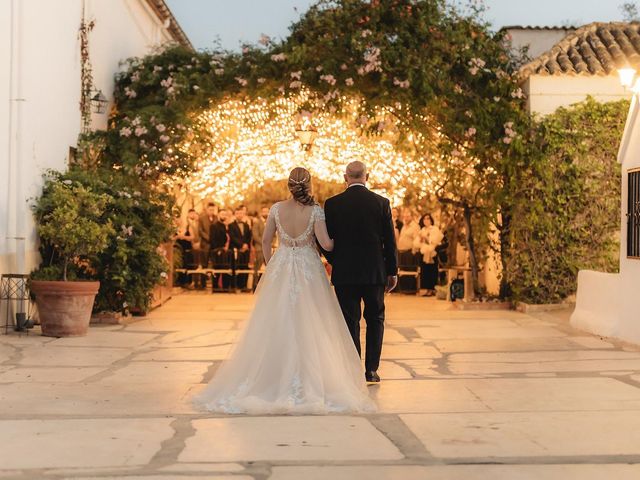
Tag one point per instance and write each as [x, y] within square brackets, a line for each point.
[186, 241]
[426, 242]
[240, 240]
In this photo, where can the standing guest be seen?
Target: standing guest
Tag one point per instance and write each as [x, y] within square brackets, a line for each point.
[245, 215]
[395, 216]
[397, 224]
[187, 242]
[193, 226]
[218, 248]
[257, 231]
[427, 241]
[408, 232]
[240, 240]
[209, 216]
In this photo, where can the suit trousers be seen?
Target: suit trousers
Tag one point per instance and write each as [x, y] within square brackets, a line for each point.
[351, 298]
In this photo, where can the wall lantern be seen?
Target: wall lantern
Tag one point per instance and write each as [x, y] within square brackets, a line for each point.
[99, 102]
[627, 76]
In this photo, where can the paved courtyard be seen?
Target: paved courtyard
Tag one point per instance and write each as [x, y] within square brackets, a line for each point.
[465, 395]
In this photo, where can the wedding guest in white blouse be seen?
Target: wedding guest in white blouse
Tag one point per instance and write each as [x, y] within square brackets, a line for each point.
[426, 242]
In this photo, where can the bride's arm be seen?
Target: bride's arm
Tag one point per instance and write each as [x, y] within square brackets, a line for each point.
[320, 229]
[267, 238]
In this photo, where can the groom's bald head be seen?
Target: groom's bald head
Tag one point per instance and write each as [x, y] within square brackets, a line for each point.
[356, 173]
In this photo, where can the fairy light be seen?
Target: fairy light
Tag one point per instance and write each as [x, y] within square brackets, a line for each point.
[242, 144]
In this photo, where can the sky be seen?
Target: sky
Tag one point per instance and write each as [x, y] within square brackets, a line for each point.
[237, 21]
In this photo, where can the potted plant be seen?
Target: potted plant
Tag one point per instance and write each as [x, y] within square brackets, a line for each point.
[71, 226]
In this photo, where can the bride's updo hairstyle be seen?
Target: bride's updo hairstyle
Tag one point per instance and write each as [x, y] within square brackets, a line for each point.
[300, 186]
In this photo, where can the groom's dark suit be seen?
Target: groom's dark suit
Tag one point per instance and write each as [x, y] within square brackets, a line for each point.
[364, 254]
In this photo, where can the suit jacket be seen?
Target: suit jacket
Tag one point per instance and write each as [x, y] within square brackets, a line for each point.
[238, 238]
[257, 232]
[364, 253]
[204, 229]
[217, 235]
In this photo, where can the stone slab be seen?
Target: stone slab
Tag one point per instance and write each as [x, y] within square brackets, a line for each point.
[309, 438]
[390, 371]
[531, 434]
[186, 354]
[168, 477]
[453, 331]
[158, 372]
[464, 344]
[459, 472]
[101, 338]
[48, 375]
[590, 342]
[203, 467]
[536, 367]
[49, 356]
[94, 399]
[398, 396]
[546, 356]
[555, 394]
[409, 350]
[81, 443]
[190, 338]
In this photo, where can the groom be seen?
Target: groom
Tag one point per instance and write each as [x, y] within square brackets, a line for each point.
[364, 259]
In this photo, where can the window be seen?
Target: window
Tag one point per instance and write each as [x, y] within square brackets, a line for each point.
[633, 214]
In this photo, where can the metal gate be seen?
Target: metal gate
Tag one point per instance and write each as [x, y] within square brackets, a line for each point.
[633, 214]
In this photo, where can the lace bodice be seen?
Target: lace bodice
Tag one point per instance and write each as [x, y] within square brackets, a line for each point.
[306, 238]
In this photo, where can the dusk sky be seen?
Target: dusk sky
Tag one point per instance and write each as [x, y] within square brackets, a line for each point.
[236, 21]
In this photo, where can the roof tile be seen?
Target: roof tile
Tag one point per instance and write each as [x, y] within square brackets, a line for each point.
[594, 49]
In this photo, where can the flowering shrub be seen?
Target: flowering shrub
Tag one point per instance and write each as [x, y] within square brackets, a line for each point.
[119, 222]
[565, 204]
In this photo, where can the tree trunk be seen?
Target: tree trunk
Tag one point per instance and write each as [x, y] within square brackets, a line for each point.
[505, 250]
[473, 262]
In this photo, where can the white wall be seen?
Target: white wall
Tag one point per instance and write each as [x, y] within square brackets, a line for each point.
[37, 130]
[539, 41]
[607, 304]
[549, 92]
[629, 268]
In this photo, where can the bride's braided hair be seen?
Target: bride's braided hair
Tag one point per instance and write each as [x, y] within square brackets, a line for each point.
[300, 186]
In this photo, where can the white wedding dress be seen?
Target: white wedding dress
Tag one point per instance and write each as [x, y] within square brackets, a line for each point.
[296, 355]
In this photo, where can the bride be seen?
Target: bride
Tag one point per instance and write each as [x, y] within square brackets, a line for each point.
[296, 354]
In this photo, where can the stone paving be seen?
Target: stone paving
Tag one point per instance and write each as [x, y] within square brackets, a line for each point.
[465, 395]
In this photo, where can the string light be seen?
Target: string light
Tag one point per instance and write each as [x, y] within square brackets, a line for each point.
[243, 144]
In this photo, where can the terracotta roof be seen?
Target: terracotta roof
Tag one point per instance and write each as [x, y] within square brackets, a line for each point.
[163, 11]
[533, 27]
[594, 49]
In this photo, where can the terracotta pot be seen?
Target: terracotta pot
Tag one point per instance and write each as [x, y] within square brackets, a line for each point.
[64, 307]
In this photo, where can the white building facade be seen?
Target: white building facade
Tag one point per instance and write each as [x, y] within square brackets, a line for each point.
[608, 303]
[41, 89]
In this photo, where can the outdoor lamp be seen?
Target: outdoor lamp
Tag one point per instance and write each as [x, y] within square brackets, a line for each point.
[99, 102]
[306, 132]
[627, 75]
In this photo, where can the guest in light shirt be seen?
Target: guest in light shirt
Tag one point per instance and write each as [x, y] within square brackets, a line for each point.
[409, 232]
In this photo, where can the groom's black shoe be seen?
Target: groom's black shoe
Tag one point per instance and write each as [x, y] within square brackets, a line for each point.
[372, 377]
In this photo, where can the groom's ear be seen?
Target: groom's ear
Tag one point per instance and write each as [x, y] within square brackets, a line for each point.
[366, 177]
[346, 180]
